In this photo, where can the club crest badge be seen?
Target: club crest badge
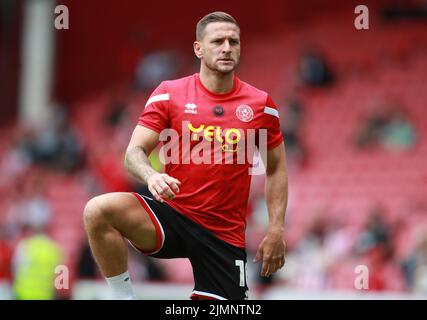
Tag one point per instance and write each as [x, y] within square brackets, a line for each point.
[244, 113]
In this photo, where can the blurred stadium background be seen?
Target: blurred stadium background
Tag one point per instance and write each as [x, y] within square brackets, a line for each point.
[353, 106]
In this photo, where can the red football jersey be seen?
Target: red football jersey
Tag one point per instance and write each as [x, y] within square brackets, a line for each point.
[211, 135]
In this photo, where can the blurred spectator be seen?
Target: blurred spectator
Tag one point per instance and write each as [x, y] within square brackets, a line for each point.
[154, 67]
[415, 268]
[384, 273]
[370, 134]
[291, 124]
[339, 240]
[408, 9]
[34, 261]
[13, 165]
[106, 163]
[398, 133]
[375, 245]
[117, 114]
[86, 266]
[313, 69]
[56, 146]
[313, 259]
[389, 128]
[375, 232]
[5, 258]
[29, 206]
[118, 122]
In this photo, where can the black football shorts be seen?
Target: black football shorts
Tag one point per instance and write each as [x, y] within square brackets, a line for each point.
[219, 268]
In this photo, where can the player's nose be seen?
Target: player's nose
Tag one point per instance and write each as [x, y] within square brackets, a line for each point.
[227, 46]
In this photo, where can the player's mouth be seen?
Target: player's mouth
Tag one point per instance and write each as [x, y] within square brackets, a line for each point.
[226, 60]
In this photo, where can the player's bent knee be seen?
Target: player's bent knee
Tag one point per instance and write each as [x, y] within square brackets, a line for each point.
[93, 212]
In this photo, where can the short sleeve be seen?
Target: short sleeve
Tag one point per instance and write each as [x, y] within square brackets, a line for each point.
[272, 124]
[156, 114]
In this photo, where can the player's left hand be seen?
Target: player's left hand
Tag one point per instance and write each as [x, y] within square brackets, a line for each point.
[272, 252]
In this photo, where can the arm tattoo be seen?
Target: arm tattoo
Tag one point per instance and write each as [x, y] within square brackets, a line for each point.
[137, 164]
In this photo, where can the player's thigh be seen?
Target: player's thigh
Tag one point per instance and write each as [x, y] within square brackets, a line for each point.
[123, 211]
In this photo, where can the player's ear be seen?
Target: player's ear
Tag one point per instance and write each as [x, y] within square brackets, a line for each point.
[197, 49]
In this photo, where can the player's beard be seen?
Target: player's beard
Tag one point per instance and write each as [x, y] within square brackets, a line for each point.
[215, 67]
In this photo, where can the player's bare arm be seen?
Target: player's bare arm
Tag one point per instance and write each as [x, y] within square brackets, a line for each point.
[272, 248]
[141, 144]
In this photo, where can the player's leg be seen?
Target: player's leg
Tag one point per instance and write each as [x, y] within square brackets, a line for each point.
[110, 218]
[219, 270]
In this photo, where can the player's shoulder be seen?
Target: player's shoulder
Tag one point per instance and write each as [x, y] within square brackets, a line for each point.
[252, 90]
[263, 99]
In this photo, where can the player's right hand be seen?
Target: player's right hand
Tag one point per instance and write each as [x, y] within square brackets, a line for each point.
[163, 186]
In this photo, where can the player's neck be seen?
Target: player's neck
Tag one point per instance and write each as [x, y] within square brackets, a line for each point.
[216, 82]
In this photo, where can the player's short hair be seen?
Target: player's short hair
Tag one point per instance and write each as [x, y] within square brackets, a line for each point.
[217, 16]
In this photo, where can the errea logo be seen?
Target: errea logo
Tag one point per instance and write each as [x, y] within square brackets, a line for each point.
[190, 108]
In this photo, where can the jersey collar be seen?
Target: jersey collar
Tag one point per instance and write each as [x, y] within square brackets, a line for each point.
[236, 85]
